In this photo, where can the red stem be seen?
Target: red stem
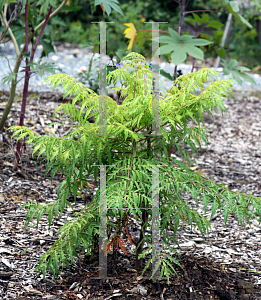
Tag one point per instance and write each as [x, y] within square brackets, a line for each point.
[20, 145]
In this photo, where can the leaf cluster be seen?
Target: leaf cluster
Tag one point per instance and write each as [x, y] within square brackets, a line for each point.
[134, 156]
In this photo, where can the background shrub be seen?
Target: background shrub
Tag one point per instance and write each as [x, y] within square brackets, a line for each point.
[75, 26]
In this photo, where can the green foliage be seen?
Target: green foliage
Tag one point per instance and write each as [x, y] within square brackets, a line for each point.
[90, 77]
[78, 30]
[240, 37]
[231, 67]
[178, 46]
[244, 38]
[107, 4]
[130, 150]
[34, 17]
[233, 8]
[181, 45]
[202, 25]
[132, 13]
[76, 33]
[87, 77]
[77, 27]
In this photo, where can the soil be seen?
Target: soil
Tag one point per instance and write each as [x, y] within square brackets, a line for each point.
[208, 279]
[200, 278]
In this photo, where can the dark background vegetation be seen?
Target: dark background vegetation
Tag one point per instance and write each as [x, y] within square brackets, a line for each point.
[75, 26]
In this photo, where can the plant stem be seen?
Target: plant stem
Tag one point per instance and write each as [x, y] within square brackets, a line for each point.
[19, 146]
[16, 68]
[195, 11]
[141, 239]
[7, 24]
[10, 32]
[181, 20]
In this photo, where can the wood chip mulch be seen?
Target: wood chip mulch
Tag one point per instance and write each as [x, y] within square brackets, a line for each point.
[224, 265]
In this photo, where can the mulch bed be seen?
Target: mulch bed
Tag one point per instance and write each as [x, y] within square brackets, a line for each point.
[200, 278]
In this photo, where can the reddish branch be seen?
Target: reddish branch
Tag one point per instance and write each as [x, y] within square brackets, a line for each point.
[20, 145]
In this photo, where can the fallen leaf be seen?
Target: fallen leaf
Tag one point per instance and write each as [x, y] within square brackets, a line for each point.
[7, 163]
[194, 168]
[33, 291]
[254, 70]
[52, 131]
[31, 122]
